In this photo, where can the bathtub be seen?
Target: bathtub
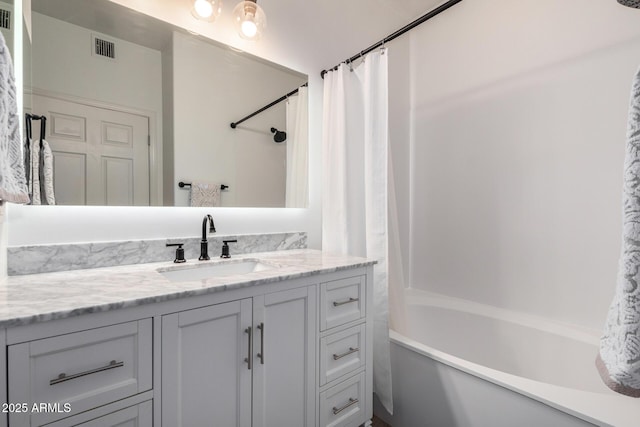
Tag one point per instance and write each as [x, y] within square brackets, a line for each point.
[463, 364]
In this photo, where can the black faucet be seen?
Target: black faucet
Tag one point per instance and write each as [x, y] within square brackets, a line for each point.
[204, 245]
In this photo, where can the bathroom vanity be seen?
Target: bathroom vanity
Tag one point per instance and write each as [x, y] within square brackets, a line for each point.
[270, 339]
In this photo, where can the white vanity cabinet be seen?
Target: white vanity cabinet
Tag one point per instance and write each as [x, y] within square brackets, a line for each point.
[242, 363]
[279, 351]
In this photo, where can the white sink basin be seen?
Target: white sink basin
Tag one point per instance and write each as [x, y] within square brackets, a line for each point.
[230, 268]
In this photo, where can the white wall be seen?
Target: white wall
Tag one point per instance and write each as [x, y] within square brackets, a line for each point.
[168, 182]
[518, 132]
[212, 87]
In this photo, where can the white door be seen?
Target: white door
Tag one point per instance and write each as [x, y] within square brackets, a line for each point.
[101, 156]
[206, 381]
[285, 358]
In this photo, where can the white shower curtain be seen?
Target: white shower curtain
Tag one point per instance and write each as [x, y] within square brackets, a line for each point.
[354, 205]
[297, 150]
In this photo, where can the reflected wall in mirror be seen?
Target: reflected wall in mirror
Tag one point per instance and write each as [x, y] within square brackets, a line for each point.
[135, 106]
[7, 23]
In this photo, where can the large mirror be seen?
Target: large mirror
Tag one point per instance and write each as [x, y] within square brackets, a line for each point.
[135, 106]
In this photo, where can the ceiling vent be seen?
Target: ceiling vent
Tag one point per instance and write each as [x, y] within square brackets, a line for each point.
[104, 48]
[5, 19]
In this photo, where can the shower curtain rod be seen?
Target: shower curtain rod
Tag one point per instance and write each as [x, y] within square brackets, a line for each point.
[282, 98]
[398, 33]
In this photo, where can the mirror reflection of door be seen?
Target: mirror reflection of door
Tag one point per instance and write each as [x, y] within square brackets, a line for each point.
[101, 156]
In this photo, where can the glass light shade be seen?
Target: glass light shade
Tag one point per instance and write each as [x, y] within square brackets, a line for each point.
[249, 19]
[206, 10]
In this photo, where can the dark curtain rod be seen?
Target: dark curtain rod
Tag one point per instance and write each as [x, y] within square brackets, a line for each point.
[398, 33]
[282, 98]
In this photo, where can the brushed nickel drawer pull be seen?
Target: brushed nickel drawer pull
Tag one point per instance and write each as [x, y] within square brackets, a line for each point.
[64, 377]
[250, 350]
[350, 300]
[352, 402]
[351, 350]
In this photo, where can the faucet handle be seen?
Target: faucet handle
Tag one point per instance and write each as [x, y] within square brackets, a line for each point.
[179, 252]
[225, 248]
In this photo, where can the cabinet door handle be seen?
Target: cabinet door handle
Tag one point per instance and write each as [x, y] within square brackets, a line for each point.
[350, 300]
[351, 402]
[64, 377]
[261, 354]
[250, 350]
[351, 350]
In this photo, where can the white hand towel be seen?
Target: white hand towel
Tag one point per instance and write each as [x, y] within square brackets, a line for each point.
[46, 174]
[619, 358]
[41, 173]
[13, 183]
[34, 172]
[205, 194]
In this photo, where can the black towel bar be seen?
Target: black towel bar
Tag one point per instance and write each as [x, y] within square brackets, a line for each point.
[188, 184]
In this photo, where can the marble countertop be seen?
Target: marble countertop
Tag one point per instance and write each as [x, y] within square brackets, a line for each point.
[49, 296]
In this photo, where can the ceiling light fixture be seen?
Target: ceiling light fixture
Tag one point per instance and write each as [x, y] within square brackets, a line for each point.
[250, 20]
[206, 10]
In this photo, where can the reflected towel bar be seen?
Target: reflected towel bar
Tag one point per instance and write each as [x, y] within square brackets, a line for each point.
[188, 184]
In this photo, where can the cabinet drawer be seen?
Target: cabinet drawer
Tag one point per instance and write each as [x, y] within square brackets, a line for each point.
[341, 353]
[84, 370]
[342, 301]
[343, 404]
[140, 415]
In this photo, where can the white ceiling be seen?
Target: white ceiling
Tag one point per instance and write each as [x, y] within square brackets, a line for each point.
[343, 27]
[329, 30]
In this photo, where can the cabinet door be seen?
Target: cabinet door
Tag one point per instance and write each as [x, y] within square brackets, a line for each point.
[284, 358]
[205, 375]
